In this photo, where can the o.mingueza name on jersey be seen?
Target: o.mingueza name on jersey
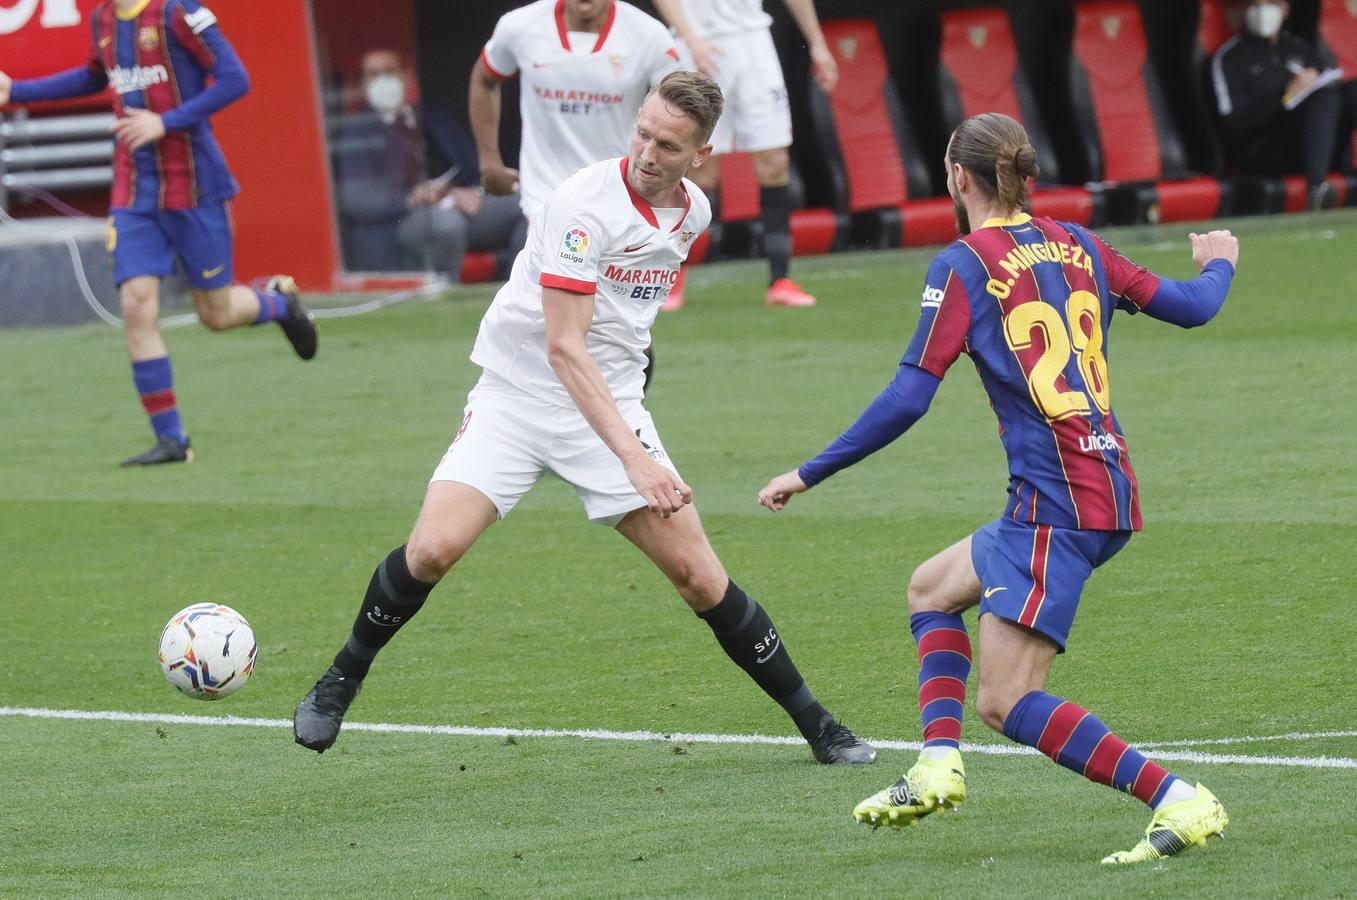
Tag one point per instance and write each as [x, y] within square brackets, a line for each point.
[575, 102]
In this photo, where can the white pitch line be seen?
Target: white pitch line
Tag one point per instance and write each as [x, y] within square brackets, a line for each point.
[601, 734]
[1252, 739]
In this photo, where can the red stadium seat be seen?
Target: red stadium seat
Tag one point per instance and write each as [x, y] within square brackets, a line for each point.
[879, 175]
[978, 72]
[1129, 138]
[813, 230]
[477, 266]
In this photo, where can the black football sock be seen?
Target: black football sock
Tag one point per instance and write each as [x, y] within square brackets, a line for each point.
[747, 635]
[393, 598]
[776, 206]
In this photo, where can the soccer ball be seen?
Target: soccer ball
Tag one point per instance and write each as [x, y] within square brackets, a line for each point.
[207, 651]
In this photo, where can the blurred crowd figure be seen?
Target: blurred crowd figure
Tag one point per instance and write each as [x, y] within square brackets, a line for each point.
[1285, 106]
[407, 183]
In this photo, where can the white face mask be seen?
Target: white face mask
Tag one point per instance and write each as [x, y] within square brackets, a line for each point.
[1264, 19]
[386, 93]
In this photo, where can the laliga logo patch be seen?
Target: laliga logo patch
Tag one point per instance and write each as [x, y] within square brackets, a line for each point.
[148, 38]
[574, 244]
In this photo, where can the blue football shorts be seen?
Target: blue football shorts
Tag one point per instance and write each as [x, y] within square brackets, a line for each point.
[147, 242]
[1033, 574]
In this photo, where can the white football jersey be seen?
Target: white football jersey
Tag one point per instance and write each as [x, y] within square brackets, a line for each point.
[596, 235]
[715, 18]
[579, 92]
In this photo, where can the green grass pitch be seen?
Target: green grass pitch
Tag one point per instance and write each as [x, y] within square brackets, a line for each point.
[1230, 616]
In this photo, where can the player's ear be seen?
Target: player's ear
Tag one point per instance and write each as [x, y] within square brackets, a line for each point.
[701, 157]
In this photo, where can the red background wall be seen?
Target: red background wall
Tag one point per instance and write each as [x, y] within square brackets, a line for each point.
[272, 137]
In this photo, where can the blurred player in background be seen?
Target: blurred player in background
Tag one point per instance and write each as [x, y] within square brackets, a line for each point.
[171, 187]
[730, 41]
[561, 348]
[586, 65]
[1030, 301]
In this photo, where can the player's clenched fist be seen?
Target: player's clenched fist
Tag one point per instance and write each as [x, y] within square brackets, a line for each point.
[5, 83]
[1215, 245]
[778, 492]
[664, 492]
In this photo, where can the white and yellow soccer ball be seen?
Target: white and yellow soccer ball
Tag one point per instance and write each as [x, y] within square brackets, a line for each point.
[207, 651]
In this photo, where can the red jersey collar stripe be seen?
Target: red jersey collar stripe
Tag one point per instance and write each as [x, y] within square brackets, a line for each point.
[564, 34]
[643, 205]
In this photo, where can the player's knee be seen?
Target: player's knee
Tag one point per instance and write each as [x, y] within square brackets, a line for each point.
[773, 167]
[922, 592]
[214, 309]
[430, 556]
[993, 704]
[701, 584]
[137, 303]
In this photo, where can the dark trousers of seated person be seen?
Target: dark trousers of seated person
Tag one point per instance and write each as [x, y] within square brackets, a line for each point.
[1312, 139]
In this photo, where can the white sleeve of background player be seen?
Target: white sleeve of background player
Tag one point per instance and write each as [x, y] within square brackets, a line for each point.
[574, 242]
[662, 57]
[500, 55]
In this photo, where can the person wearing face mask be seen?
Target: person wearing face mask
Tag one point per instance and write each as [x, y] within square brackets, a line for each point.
[1280, 112]
[394, 215]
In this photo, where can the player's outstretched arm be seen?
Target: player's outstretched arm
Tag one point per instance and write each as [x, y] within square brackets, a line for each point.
[80, 82]
[568, 317]
[1195, 302]
[822, 64]
[891, 414]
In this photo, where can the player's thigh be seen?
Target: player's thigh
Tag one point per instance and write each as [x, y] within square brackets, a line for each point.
[1013, 662]
[499, 447]
[203, 241]
[581, 459]
[679, 548]
[946, 582]
[762, 117]
[452, 517]
[140, 245]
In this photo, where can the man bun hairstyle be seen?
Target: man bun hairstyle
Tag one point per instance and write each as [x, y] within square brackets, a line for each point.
[995, 148]
[697, 96]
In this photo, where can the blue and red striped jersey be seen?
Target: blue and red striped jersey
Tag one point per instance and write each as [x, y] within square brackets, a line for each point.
[158, 58]
[1030, 301]
[169, 57]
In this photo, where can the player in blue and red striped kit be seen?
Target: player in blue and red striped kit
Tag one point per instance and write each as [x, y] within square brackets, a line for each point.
[170, 68]
[1030, 301]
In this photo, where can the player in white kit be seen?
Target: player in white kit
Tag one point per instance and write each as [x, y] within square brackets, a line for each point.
[584, 67]
[562, 351]
[730, 41]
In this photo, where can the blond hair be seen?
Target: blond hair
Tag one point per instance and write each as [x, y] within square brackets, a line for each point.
[996, 149]
[697, 96]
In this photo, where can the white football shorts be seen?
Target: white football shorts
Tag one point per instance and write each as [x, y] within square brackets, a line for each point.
[756, 115]
[508, 438]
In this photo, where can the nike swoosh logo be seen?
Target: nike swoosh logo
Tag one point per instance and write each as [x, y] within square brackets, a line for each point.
[213, 273]
[763, 659]
[636, 247]
[992, 591]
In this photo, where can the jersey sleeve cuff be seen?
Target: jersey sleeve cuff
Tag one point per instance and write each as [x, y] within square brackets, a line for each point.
[495, 73]
[573, 285]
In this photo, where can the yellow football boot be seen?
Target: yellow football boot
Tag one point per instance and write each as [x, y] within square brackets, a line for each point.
[1176, 827]
[931, 784]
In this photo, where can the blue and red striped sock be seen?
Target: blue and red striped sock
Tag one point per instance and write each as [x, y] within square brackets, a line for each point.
[1079, 741]
[272, 306]
[944, 665]
[155, 383]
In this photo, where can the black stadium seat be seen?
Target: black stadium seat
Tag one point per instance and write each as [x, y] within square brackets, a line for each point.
[978, 72]
[876, 169]
[1129, 139]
